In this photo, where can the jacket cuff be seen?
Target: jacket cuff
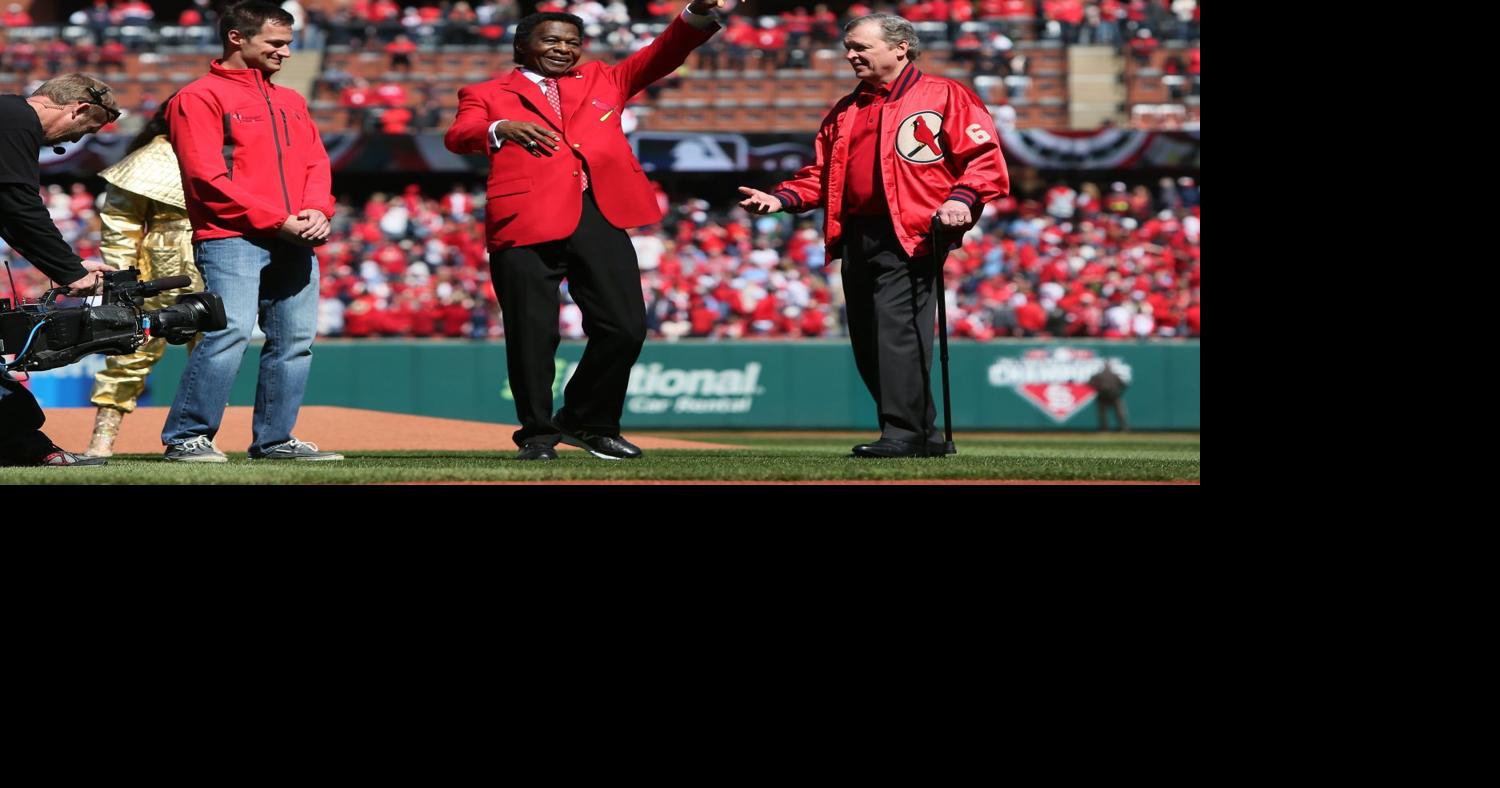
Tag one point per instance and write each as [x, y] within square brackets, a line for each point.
[790, 202]
[964, 195]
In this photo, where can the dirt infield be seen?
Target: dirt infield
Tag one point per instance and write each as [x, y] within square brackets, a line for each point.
[339, 429]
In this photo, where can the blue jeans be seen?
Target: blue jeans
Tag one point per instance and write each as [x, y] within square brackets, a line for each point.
[267, 278]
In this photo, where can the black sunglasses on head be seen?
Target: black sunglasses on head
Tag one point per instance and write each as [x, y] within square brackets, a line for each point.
[96, 97]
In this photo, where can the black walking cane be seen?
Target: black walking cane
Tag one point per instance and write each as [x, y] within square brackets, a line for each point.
[942, 297]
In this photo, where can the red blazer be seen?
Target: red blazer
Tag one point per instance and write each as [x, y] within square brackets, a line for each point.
[532, 199]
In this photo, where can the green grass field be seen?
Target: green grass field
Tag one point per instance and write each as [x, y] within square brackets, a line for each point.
[764, 457]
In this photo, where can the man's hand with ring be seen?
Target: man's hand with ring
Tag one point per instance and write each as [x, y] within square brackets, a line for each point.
[539, 141]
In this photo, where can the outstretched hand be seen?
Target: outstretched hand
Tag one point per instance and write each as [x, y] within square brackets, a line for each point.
[759, 202]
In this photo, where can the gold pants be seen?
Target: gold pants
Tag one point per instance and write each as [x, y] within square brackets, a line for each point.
[123, 378]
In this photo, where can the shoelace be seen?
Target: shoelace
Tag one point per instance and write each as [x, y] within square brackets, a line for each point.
[294, 443]
[199, 443]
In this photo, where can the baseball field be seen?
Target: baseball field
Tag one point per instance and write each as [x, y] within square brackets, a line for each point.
[384, 448]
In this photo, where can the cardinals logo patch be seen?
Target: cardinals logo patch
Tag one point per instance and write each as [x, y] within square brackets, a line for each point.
[917, 138]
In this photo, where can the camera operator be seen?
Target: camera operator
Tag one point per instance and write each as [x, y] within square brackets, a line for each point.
[62, 109]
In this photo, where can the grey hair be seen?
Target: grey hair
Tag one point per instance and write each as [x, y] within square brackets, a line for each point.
[894, 30]
[75, 87]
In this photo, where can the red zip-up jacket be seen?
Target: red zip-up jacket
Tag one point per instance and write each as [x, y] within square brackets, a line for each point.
[249, 152]
[966, 165]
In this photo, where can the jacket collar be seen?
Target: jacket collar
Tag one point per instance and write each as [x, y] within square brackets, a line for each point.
[899, 87]
[249, 77]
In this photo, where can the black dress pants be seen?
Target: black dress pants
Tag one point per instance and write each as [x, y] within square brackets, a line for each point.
[889, 299]
[604, 278]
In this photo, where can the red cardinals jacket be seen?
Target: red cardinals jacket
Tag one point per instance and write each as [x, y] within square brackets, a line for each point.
[937, 143]
[250, 154]
[532, 199]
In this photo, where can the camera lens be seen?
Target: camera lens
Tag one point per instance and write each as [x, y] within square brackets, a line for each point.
[192, 313]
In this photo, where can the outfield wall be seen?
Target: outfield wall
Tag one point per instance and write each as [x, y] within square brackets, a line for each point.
[723, 385]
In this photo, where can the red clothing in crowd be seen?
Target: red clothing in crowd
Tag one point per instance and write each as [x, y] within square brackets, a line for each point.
[458, 203]
[1007, 9]
[451, 319]
[58, 50]
[396, 120]
[360, 317]
[355, 97]
[813, 323]
[131, 9]
[112, 54]
[740, 32]
[702, 319]
[1069, 11]
[80, 200]
[1142, 47]
[391, 259]
[382, 10]
[1031, 317]
[390, 94]
[770, 40]
[826, 24]
[797, 21]
[393, 321]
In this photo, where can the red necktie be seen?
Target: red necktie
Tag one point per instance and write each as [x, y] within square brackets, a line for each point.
[549, 89]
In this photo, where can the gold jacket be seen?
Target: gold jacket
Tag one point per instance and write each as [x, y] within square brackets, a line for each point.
[146, 227]
[145, 222]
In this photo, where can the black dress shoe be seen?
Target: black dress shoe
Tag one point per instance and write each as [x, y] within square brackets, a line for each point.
[891, 447]
[536, 451]
[605, 447]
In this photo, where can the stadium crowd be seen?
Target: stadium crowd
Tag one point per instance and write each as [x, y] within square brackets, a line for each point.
[1079, 260]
